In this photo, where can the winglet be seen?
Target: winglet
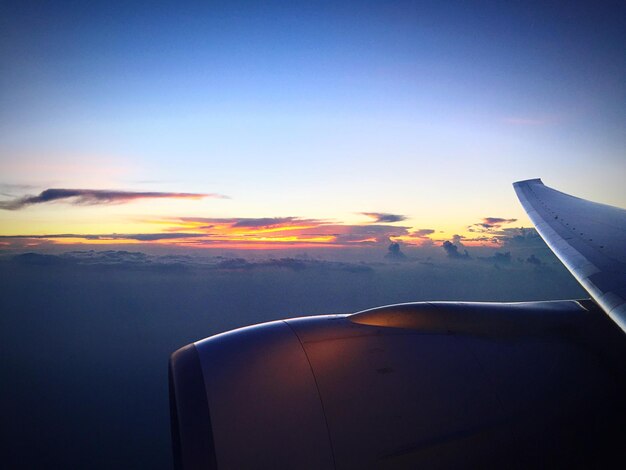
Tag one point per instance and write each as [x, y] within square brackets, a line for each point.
[529, 181]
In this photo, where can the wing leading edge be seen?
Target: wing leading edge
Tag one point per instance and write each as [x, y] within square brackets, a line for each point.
[589, 239]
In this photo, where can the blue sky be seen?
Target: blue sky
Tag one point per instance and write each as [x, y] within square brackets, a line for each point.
[315, 110]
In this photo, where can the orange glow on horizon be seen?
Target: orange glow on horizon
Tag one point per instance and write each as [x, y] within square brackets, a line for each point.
[268, 233]
[261, 245]
[83, 241]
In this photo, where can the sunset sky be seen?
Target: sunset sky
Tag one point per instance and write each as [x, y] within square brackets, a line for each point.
[287, 124]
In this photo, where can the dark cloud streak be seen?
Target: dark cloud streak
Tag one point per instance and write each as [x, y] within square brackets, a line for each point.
[252, 222]
[490, 223]
[384, 218]
[97, 197]
[266, 222]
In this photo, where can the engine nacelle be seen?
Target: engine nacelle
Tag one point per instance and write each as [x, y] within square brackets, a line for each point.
[442, 384]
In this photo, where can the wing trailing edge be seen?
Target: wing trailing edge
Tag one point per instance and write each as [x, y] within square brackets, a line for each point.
[588, 237]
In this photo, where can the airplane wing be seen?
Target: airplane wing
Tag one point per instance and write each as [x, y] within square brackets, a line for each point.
[587, 237]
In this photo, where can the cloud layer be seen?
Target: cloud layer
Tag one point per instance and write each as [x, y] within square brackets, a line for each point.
[109, 320]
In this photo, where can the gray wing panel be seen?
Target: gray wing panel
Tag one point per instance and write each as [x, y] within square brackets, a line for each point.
[588, 237]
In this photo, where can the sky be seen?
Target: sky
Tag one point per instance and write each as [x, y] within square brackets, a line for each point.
[173, 170]
[264, 125]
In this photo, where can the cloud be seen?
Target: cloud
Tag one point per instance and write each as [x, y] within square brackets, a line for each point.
[419, 237]
[394, 252]
[9, 189]
[289, 263]
[422, 232]
[532, 259]
[488, 224]
[520, 237]
[136, 259]
[103, 259]
[453, 251]
[457, 240]
[366, 234]
[148, 237]
[294, 232]
[39, 259]
[96, 197]
[287, 230]
[384, 218]
[512, 237]
[251, 222]
[243, 225]
[144, 237]
[498, 220]
[498, 258]
[281, 263]
[269, 222]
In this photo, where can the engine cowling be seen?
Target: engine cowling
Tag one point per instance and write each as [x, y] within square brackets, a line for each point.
[442, 384]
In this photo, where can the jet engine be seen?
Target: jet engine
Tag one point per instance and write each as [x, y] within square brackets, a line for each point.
[419, 385]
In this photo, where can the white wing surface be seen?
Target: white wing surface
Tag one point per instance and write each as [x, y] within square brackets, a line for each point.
[588, 237]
